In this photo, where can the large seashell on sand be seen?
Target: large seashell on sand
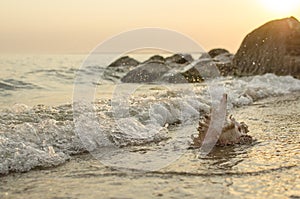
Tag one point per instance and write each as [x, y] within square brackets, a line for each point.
[232, 133]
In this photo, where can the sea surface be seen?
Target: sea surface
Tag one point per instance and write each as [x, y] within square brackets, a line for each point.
[134, 141]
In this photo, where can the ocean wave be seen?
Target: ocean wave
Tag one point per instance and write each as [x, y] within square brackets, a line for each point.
[65, 75]
[43, 136]
[14, 84]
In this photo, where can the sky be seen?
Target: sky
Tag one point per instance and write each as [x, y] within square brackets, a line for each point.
[78, 26]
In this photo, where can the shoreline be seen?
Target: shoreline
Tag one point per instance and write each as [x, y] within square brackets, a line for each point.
[266, 107]
[273, 122]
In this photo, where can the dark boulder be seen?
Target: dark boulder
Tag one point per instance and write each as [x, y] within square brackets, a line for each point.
[155, 58]
[200, 70]
[217, 51]
[222, 59]
[146, 73]
[124, 61]
[271, 48]
[197, 71]
[119, 68]
[180, 68]
[224, 63]
[179, 59]
[157, 68]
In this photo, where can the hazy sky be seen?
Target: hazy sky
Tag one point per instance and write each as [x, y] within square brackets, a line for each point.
[77, 26]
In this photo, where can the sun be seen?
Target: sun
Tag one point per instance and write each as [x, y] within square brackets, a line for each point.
[281, 6]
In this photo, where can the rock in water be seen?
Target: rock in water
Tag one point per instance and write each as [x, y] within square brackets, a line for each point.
[148, 72]
[155, 58]
[180, 59]
[119, 68]
[222, 59]
[124, 61]
[217, 51]
[224, 63]
[197, 71]
[271, 48]
[156, 68]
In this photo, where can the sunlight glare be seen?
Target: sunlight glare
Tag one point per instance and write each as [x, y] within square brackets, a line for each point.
[281, 6]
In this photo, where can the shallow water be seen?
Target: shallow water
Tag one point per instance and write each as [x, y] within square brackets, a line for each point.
[268, 168]
[39, 136]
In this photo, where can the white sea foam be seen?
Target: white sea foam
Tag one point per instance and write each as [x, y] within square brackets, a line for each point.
[43, 136]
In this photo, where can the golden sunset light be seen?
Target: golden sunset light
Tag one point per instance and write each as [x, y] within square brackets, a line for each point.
[149, 99]
[281, 6]
[78, 26]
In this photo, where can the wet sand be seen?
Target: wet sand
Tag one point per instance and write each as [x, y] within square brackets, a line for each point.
[268, 168]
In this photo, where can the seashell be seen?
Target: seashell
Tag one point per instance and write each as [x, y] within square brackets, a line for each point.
[233, 132]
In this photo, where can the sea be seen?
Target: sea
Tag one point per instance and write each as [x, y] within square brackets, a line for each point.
[62, 136]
